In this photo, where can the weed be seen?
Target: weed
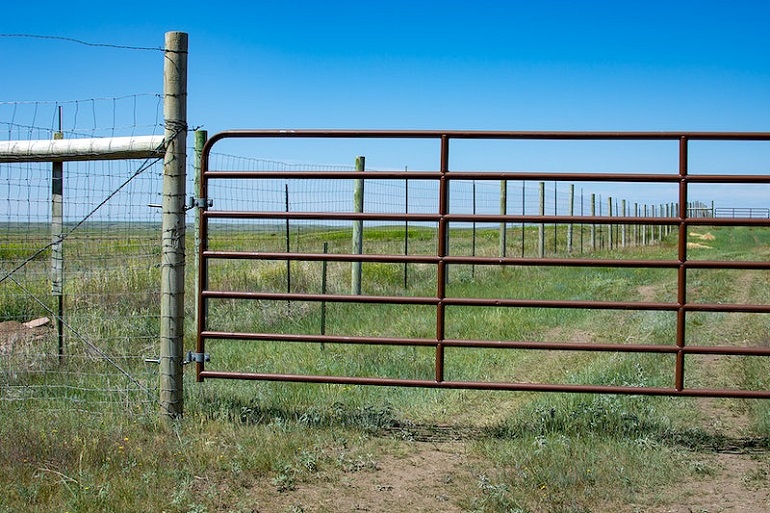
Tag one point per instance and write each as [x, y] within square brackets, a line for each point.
[556, 452]
[284, 480]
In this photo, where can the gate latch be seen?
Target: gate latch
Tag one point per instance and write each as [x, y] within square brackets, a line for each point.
[196, 358]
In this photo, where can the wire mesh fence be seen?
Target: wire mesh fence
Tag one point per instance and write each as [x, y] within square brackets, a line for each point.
[79, 301]
[79, 307]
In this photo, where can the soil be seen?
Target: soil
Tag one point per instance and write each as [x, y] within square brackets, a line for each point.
[429, 477]
[432, 477]
[17, 337]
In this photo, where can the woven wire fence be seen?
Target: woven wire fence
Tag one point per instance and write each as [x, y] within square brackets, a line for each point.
[92, 346]
[416, 196]
[82, 345]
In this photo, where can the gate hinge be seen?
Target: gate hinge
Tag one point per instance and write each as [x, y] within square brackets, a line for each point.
[204, 203]
[196, 358]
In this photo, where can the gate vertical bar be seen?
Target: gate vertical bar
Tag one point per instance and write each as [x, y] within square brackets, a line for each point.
[681, 271]
[203, 269]
[443, 243]
[173, 225]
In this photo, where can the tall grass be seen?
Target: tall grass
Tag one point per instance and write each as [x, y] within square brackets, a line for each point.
[541, 452]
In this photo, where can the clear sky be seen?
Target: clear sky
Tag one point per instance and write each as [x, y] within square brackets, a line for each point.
[647, 65]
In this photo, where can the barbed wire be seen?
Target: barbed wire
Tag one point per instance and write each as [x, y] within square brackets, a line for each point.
[87, 43]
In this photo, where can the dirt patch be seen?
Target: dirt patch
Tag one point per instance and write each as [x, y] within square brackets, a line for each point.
[428, 477]
[737, 476]
[702, 236]
[648, 292]
[17, 337]
[697, 245]
[733, 482]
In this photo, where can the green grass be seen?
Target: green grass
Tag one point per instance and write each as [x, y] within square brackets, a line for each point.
[69, 447]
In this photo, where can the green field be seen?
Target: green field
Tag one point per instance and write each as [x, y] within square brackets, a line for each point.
[81, 436]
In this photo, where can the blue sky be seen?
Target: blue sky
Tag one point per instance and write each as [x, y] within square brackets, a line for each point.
[519, 65]
[483, 65]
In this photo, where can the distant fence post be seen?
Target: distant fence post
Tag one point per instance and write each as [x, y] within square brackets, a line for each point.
[358, 227]
[541, 228]
[660, 226]
[173, 225]
[288, 242]
[570, 225]
[473, 228]
[523, 212]
[636, 225]
[593, 224]
[503, 211]
[406, 231]
[624, 227]
[57, 230]
[610, 236]
[323, 291]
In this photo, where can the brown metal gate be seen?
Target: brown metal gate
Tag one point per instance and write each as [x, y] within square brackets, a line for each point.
[681, 221]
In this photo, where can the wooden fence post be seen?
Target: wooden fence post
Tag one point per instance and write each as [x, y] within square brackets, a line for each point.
[610, 238]
[358, 228]
[200, 140]
[57, 251]
[541, 227]
[173, 225]
[623, 227]
[593, 224]
[571, 214]
[503, 211]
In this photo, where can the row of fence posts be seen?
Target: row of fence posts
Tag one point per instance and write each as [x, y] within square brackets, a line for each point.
[614, 235]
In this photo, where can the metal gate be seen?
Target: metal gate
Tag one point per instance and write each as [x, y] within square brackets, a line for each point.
[679, 221]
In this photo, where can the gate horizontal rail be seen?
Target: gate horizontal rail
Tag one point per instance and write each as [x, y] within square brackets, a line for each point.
[679, 219]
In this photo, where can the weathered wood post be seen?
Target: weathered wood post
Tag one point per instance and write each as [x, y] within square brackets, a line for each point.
[473, 227]
[358, 227]
[623, 228]
[610, 237]
[523, 212]
[173, 225]
[541, 227]
[200, 139]
[503, 211]
[406, 231]
[570, 225]
[636, 225]
[593, 224]
[57, 231]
